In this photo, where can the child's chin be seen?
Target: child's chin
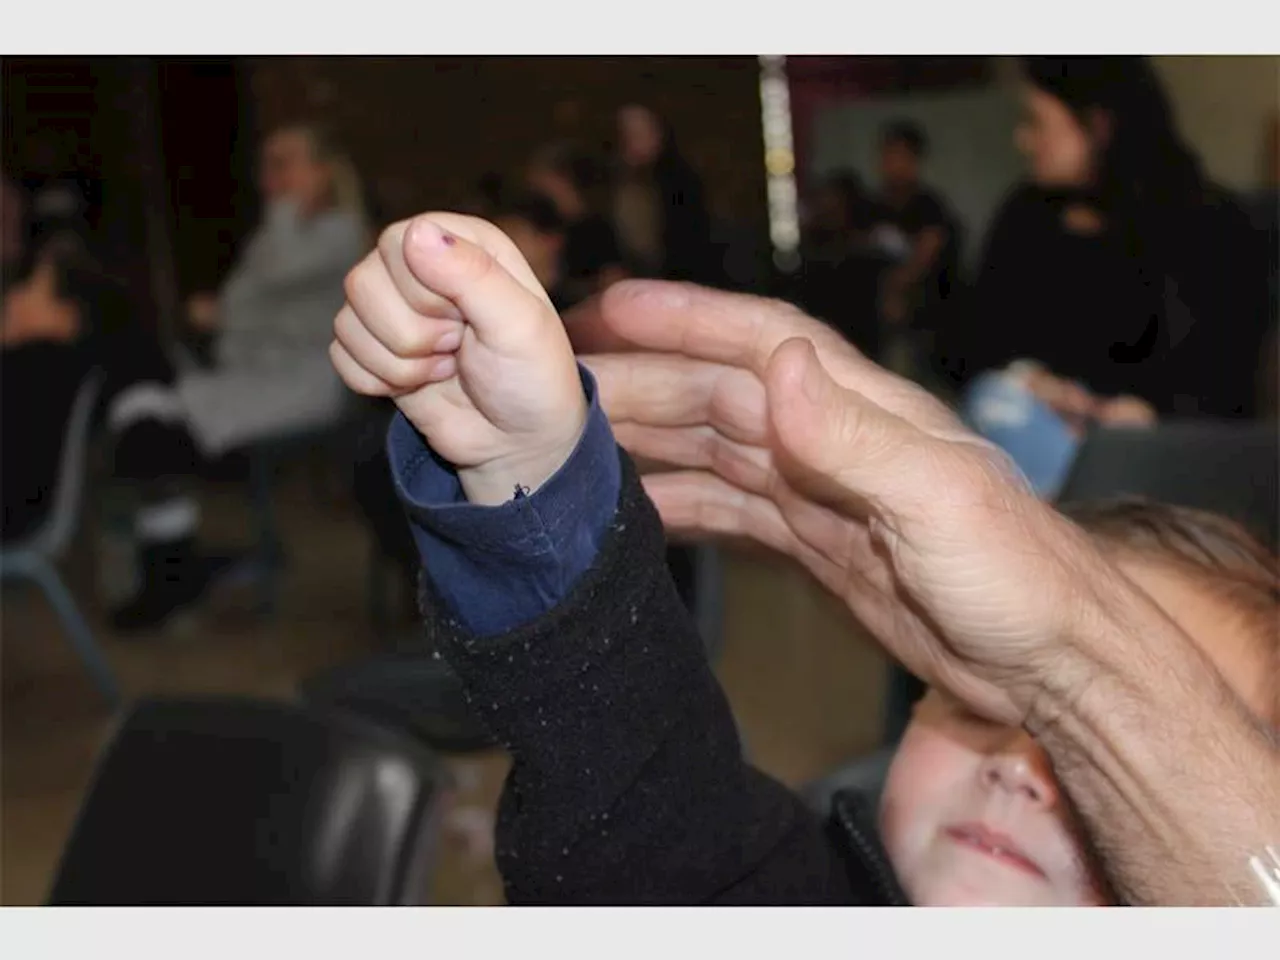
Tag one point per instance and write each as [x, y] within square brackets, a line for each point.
[957, 890]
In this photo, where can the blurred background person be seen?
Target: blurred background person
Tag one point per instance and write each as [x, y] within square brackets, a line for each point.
[838, 275]
[659, 205]
[62, 319]
[539, 232]
[912, 227]
[1118, 265]
[271, 322]
[61, 196]
[1264, 205]
[1265, 211]
[664, 229]
[837, 221]
[591, 259]
[13, 227]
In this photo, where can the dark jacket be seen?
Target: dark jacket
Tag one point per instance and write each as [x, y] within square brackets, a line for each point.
[628, 784]
[686, 225]
[1170, 307]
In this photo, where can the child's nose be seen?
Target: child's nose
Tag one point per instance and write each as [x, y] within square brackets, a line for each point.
[1020, 766]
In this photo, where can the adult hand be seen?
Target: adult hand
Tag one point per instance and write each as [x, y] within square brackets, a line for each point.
[34, 310]
[1126, 411]
[1068, 399]
[789, 436]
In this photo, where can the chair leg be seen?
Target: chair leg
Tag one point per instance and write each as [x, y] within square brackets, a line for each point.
[78, 632]
[379, 612]
[709, 577]
[269, 550]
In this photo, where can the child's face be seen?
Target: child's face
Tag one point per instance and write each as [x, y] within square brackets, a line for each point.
[972, 814]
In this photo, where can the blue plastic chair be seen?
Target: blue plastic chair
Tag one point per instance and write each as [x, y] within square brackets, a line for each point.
[35, 557]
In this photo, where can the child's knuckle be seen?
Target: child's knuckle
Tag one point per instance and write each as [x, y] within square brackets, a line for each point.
[391, 239]
[414, 338]
[358, 283]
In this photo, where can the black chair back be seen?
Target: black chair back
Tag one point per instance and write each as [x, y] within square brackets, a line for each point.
[237, 802]
[1226, 467]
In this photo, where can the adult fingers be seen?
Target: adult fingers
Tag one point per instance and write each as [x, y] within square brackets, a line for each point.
[696, 502]
[668, 390]
[702, 448]
[742, 331]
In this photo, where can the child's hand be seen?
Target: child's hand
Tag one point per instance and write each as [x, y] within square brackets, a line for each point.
[447, 318]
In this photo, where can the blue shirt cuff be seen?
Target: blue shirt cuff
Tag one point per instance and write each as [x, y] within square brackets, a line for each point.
[500, 567]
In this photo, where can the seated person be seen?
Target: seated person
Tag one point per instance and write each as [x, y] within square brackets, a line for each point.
[591, 259]
[1040, 419]
[913, 228]
[271, 318]
[544, 588]
[61, 320]
[540, 233]
[839, 278]
[971, 812]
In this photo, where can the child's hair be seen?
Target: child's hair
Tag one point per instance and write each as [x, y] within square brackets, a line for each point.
[1213, 550]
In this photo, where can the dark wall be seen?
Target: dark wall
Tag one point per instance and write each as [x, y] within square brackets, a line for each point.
[424, 128]
[209, 141]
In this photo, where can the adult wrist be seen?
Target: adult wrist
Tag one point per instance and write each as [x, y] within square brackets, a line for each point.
[1176, 783]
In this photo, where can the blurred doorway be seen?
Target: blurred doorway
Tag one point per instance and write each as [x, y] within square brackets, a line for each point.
[207, 138]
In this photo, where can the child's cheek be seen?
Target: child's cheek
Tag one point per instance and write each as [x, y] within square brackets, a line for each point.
[922, 777]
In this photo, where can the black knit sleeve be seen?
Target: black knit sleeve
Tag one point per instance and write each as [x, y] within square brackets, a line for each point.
[628, 784]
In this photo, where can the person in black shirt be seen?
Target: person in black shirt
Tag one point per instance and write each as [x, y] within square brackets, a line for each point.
[1119, 264]
[591, 259]
[912, 229]
[836, 227]
[838, 280]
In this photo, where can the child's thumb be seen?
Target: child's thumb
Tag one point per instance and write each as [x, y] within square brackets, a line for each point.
[465, 272]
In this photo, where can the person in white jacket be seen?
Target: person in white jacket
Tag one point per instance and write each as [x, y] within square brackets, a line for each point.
[273, 315]
[272, 321]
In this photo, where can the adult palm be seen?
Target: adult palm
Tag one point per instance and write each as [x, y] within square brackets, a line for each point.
[786, 434]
